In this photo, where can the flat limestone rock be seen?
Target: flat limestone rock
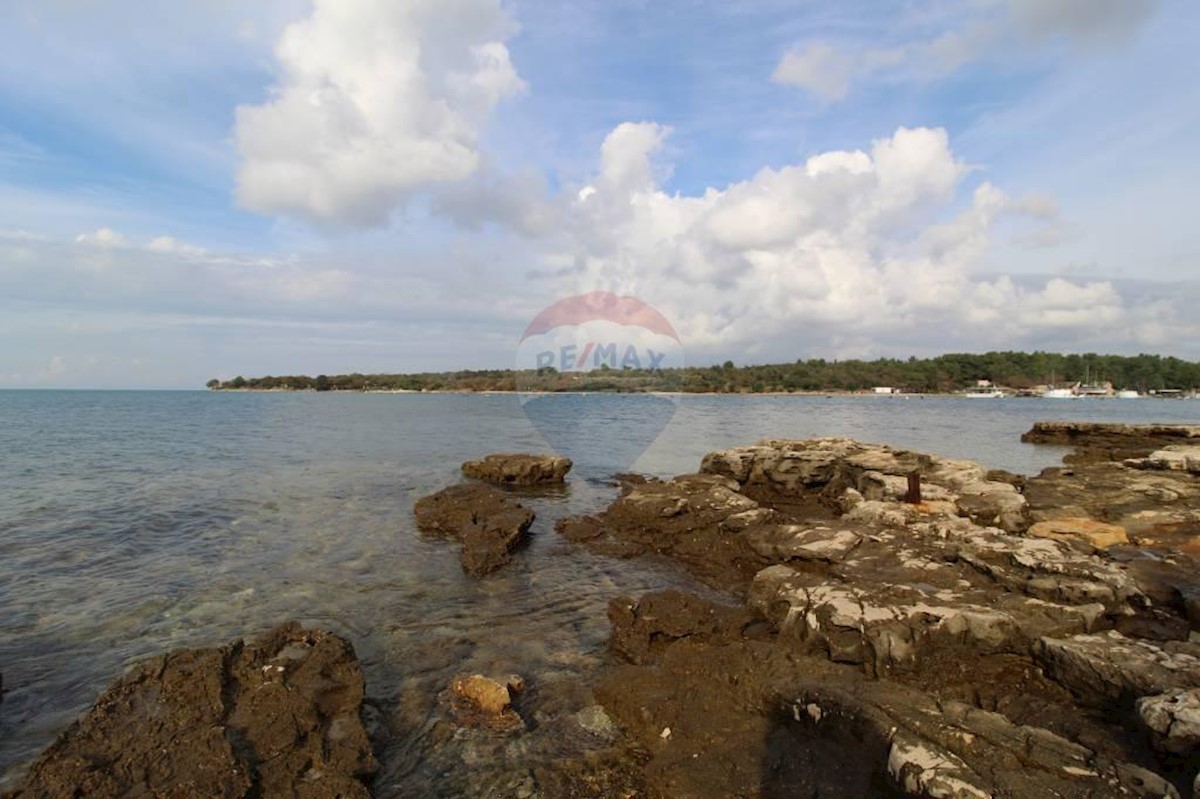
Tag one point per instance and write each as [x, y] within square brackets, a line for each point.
[489, 523]
[781, 472]
[1106, 667]
[1172, 458]
[275, 717]
[782, 542]
[1105, 441]
[928, 645]
[1157, 507]
[518, 469]
[1099, 534]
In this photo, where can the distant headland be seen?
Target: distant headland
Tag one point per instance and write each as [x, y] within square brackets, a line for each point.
[1003, 373]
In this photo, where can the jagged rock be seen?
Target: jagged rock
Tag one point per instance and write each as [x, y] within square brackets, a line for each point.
[518, 469]
[1097, 534]
[793, 475]
[479, 701]
[701, 519]
[1104, 441]
[1106, 667]
[275, 717]
[1173, 720]
[489, 523]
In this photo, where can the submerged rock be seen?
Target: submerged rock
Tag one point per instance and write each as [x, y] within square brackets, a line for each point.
[489, 523]
[275, 717]
[485, 702]
[518, 469]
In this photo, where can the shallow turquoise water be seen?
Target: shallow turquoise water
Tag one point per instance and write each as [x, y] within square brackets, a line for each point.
[134, 522]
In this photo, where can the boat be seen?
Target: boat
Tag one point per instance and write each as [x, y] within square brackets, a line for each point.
[1128, 393]
[1059, 393]
[983, 392]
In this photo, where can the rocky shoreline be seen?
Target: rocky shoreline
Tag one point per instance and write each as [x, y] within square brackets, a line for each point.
[895, 624]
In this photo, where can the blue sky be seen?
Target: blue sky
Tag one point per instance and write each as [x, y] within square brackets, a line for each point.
[210, 189]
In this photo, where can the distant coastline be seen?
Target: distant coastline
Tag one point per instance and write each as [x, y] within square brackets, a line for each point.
[1012, 373]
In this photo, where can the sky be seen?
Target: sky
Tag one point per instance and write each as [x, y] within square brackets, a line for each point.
[210, 188]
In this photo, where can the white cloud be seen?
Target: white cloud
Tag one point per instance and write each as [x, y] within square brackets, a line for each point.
[817, 67]
[878, 241]
[376, 100]
[104, 237]
[172, 245]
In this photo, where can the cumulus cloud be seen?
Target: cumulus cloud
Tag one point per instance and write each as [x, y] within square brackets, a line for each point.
[375, 100]
[881, 242]
[990, 28]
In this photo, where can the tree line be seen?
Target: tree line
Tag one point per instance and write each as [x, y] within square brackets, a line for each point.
[942, 374]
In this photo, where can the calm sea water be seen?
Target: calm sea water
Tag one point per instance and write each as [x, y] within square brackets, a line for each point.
[136, 522]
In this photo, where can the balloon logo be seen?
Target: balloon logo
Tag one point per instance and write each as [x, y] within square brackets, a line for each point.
[598, 375]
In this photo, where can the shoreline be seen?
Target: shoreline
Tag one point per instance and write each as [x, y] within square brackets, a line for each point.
[870, 615]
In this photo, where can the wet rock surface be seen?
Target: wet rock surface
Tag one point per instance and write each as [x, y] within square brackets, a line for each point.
[489, 523]
[275, 717]
[486, 702]
[518, 469]
[947, 647]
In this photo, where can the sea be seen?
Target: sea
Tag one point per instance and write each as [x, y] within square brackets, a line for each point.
[136, 522]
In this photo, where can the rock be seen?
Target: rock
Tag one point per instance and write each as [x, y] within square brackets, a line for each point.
[1103, 441]
[784, 542]
[489, 523]
[700, 519]
[1105, 667]
[828, 730]
[1173, 458]
[518, 469]
[594, 721]
[799, 477]
[932, 648]
[1098, 534]
[484, 702]
[1156, 507]
[487, 694]
[1173, 719]
[642, 628]
[992, 504]
[275, 717]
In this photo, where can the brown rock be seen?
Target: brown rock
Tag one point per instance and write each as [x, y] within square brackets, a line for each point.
[518, 469]
[1098, 534]
[489, 523]
[487, 694]
[276, 717]
[484, 702]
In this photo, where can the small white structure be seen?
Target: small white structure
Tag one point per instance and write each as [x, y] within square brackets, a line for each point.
[885, 390]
